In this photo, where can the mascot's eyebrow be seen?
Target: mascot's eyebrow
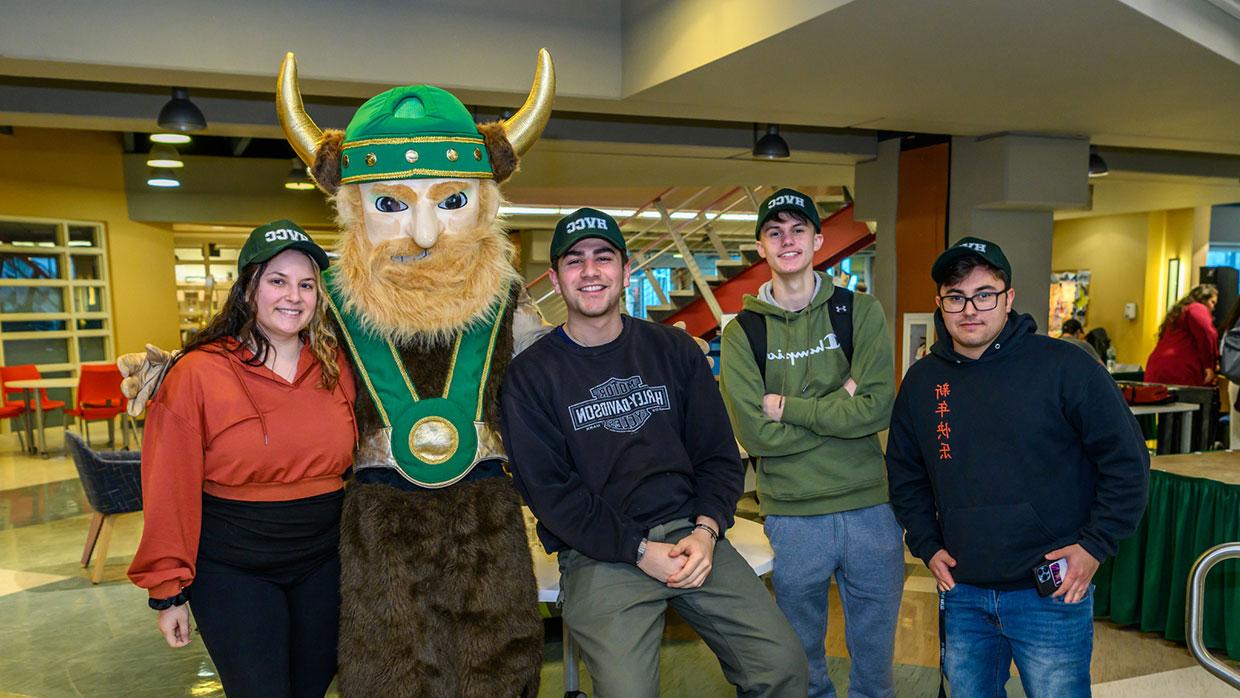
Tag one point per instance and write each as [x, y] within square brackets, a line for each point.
[442, 190]
[399, 191]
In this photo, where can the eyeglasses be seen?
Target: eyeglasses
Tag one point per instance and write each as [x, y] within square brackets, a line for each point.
[984, 300]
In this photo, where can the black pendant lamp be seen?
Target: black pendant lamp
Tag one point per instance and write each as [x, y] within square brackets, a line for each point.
[1097, 166]
[180, 114]
[771, 146]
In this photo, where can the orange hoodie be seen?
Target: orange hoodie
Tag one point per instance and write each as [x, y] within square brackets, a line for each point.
[237, 432]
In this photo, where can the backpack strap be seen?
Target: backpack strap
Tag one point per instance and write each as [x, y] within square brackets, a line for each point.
[755, 331]
[840, 310]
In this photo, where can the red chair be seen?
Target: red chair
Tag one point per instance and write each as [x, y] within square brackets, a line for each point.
[99, 398]
[12, 410]
[26, 372]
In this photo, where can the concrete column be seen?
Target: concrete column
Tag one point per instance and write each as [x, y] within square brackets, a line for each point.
[1005, 188]
[875, 202]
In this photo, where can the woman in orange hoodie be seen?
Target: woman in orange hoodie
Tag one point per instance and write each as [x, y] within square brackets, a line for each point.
[245, 446]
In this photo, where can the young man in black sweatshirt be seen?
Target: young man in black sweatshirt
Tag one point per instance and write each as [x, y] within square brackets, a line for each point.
[622, 448]
[1009, 450]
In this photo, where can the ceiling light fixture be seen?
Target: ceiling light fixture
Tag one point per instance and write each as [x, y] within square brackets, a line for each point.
[298, 178]
[171, 138]
[180, 114]
[163, 179]
[164, 155]
[1097, 166]
[772, 146]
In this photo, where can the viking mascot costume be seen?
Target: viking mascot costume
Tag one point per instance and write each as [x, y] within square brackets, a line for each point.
[437, 586]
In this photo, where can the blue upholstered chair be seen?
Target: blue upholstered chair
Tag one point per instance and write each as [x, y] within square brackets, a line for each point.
[113, 484]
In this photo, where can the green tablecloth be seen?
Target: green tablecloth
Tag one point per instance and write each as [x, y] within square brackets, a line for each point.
[1146, 583]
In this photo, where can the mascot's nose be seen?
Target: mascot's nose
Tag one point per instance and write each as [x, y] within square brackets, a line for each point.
[427, 228]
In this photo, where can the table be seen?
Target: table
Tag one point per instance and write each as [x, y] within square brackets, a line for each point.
[746, 536]
[31, 386]
[1186, 427]
[1194, 504]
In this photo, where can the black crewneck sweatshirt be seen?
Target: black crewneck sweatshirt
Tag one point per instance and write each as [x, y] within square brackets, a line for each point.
[1002, 459]
[607, 442]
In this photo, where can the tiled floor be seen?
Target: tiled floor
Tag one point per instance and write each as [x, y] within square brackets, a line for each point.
[62, 636]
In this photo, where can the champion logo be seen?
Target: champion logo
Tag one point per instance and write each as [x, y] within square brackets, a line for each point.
[589, 223]
[973, 246]
[786, 199]
[619, 405]
[286, 234]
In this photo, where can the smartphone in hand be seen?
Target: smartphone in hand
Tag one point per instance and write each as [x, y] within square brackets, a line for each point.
[1049, 576]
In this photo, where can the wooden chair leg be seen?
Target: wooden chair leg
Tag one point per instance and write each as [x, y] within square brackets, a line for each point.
[92, 536]
[105, 537]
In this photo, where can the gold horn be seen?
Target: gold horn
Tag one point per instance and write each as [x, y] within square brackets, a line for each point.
[298, 127]
[524, 128]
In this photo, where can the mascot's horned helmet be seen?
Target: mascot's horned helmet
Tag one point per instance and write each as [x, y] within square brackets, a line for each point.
[417, 131]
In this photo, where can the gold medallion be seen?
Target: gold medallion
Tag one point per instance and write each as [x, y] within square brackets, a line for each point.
[433, 440]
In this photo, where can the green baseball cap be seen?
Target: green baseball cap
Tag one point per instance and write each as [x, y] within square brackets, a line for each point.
[417, 131]
[787, 200]
[267, 241]
[586, 223]
[991, 253]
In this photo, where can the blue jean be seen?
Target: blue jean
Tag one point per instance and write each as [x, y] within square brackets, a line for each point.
[864, 550]
[1050, 640]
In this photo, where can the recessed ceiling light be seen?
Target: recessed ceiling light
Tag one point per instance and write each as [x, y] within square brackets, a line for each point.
[163, 178]
[164, 155]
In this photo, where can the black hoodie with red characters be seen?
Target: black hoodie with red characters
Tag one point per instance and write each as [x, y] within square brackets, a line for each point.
[1002, 459]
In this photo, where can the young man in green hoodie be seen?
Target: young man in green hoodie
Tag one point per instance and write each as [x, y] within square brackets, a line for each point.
[810, 418]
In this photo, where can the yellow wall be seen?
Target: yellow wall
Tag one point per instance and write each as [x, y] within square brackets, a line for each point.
[48, 173]
[1127, 256]
[1112, 248]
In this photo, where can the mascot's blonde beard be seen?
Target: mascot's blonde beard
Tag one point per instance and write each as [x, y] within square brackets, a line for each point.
[425, 302]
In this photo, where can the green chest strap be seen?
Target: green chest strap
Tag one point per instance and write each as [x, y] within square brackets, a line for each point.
[433, 438]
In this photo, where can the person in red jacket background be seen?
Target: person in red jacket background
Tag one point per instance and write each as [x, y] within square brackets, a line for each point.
[242, 459]
[1187, 349]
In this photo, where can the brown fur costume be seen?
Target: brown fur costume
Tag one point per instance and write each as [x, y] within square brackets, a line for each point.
[438, 597]
[416, 619]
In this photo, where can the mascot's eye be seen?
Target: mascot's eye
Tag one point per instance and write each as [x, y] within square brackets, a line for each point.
[457, 200]
[389, 205]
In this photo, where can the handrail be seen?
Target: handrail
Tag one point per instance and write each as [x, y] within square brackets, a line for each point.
[1195, 613]
[622, 223]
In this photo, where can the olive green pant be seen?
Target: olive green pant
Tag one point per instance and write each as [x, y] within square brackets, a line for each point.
[615, 613]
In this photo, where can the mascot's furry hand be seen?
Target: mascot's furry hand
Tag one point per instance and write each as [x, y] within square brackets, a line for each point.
[143, 372]
[702, 343]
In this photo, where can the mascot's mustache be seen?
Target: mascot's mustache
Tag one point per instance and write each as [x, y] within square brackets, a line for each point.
[401, 251]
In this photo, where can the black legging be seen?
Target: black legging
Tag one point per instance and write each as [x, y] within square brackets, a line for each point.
[266, 595]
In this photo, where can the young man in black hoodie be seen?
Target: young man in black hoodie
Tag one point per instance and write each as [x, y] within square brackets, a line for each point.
[1009, 450]
[622, 448]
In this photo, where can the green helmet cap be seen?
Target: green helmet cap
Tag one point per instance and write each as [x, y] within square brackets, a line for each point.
[413, 132]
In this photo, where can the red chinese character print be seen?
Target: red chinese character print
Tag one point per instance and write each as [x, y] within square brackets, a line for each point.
[945, 451]
[942, 408]
[942, 390]
[944, 431]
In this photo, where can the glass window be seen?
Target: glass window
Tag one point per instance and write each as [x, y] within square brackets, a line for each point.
[92, 349]
[33, 326]
[32, 299]
[84, 266]
[88, 299]
[36, 351]
[20, 265]
[25, 234]
[83, 236]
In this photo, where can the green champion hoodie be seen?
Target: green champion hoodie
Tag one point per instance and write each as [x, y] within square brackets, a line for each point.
[824, 455]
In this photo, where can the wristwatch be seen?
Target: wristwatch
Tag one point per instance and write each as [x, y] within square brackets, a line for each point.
[641, 550]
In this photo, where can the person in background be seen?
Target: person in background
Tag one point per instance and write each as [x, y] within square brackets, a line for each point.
[245, 445]
[1233, 386]
[1073, 333]
[1187, 349]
